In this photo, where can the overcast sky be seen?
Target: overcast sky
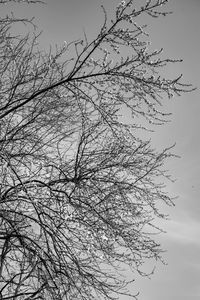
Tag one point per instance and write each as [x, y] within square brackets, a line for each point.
[179, 35]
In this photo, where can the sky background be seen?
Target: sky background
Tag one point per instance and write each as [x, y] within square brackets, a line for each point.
[179, 35]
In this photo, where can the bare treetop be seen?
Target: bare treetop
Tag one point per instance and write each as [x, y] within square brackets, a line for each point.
[79, 191]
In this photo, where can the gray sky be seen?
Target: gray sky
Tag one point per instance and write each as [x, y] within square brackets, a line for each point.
[179, 35]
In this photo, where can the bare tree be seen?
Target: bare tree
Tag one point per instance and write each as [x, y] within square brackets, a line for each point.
[79, 189]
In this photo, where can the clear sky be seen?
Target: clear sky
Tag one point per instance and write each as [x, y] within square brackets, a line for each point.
[179, 35]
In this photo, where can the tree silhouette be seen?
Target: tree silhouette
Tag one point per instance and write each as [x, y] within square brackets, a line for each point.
[79, 190]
